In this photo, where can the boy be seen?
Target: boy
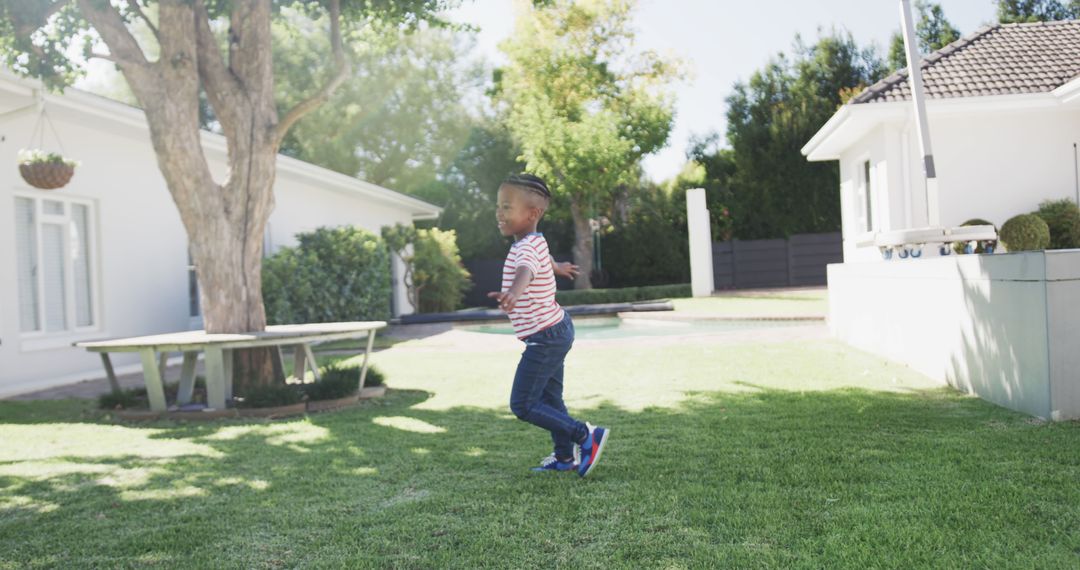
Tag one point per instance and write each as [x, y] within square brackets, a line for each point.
[528, 297]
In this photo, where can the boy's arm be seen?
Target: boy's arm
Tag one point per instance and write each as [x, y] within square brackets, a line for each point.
[564, 269]
[507, 299]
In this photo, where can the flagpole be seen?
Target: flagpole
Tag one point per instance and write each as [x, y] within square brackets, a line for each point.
[911, 46]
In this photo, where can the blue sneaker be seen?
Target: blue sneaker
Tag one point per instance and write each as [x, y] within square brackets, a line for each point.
[592, 448]
[552, 463]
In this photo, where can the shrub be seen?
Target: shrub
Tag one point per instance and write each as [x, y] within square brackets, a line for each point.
[270, 396]
[439, 277]
[436, 279]
[625, 295]
[1063, 219]
[337, 381]
[650, 247]
[979, 246]
[333, 274]
[1025, 232]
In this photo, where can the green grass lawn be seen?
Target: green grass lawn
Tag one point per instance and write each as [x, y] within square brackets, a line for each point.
[792, 455]
[808, 302]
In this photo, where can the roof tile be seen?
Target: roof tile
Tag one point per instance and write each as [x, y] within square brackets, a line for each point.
[1008, 58]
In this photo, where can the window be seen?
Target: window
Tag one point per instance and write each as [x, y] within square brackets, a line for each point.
[866, 199]
[54, 265]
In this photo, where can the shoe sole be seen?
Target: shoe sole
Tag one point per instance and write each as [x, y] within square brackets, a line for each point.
[599, 451]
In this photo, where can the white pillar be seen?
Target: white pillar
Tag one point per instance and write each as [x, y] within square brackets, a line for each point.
[697, 224]
[911, 48]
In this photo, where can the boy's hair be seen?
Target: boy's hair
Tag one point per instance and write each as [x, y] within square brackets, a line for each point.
[529, 182]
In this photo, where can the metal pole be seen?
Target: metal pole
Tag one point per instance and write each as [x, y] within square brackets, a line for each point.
[911, 47]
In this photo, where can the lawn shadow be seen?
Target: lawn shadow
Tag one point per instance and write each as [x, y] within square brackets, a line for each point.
[763, 477]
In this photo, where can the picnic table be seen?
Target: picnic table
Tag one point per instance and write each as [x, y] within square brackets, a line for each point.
[218, 350]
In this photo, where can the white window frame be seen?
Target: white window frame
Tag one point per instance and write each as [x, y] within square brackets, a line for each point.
[865, 198]
[44, 339]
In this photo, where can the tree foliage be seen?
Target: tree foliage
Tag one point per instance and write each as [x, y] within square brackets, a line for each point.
[774, 191]
[932, 28]
[398, 120]
[584, 107]
[1020, 11]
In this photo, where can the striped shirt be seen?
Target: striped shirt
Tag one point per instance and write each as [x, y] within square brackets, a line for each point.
[536, 309]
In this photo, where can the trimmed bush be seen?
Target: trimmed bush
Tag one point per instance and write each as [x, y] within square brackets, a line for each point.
[625, 295]
[1026, 232]
[337, 381]
[1063, 219]
[271, 396]
[959, 247]
[333, 274]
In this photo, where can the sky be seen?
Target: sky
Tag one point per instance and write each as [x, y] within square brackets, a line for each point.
[725, 41]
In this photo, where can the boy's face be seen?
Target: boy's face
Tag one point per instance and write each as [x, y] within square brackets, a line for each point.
[517, 210]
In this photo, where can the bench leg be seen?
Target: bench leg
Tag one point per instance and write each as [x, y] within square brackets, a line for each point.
[187, 378]
[152, 377]
[109, 372]
[367, 355]
[311, 361]
[163, 363]
[228, 362]
[299, 365]
[215, 378]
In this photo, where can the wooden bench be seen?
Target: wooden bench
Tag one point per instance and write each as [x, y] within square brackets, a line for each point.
[218, 350]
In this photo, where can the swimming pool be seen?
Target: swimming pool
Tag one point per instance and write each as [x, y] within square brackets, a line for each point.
[616, 328]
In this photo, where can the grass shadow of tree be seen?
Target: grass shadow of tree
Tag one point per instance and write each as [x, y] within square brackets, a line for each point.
[764, 477]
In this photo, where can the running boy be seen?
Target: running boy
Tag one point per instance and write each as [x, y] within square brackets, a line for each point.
[528, 297]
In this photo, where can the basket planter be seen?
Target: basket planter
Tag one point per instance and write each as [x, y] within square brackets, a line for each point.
[47, 175]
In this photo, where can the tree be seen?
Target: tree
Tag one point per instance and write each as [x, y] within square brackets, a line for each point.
[1019, 11]
[222, 50]
[933, 30]
[774, 191]
[583, 107]
[398, 120]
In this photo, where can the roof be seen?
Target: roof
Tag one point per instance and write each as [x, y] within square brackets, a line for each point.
[90, 106]
[1005, 59]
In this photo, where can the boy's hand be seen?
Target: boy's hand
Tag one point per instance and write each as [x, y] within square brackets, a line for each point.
[565, 269]
[506, 299]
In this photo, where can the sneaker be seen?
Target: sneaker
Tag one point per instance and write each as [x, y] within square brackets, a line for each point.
[593, 447]
[551, 463]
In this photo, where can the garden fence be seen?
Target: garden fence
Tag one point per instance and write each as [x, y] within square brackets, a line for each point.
[797, 261]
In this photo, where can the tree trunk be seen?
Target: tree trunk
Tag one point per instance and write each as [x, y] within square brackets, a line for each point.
[583, 246]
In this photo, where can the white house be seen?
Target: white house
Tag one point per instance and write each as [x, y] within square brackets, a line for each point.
[106, 256]
[1003, 106]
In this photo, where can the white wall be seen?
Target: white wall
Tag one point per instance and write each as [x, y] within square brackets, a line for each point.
[141, 253]
[1002, 327]
[990, 164]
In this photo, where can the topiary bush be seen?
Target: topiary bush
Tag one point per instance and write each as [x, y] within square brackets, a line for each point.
[979, 246]
[1063, 219]
[1025, 232]
[333, 274]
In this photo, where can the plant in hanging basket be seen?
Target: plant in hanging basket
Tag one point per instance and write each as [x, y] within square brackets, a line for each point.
[45, 170]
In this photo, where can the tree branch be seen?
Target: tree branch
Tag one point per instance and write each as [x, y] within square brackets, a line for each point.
[219, 83]
[106, 57]
[324, 94]
[110, 26]
[134, 6]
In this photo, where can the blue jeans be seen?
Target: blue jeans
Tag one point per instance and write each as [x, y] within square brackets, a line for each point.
[536, 396]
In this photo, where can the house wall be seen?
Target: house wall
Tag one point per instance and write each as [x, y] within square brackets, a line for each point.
[140, 259]
[990, 164]
[1000, 326]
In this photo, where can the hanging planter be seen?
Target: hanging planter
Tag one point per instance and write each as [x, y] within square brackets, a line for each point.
[45, 170]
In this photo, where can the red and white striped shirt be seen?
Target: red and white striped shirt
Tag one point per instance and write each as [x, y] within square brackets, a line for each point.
[536, 309]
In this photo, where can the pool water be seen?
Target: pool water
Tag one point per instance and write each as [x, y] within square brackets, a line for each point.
[615, 328]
